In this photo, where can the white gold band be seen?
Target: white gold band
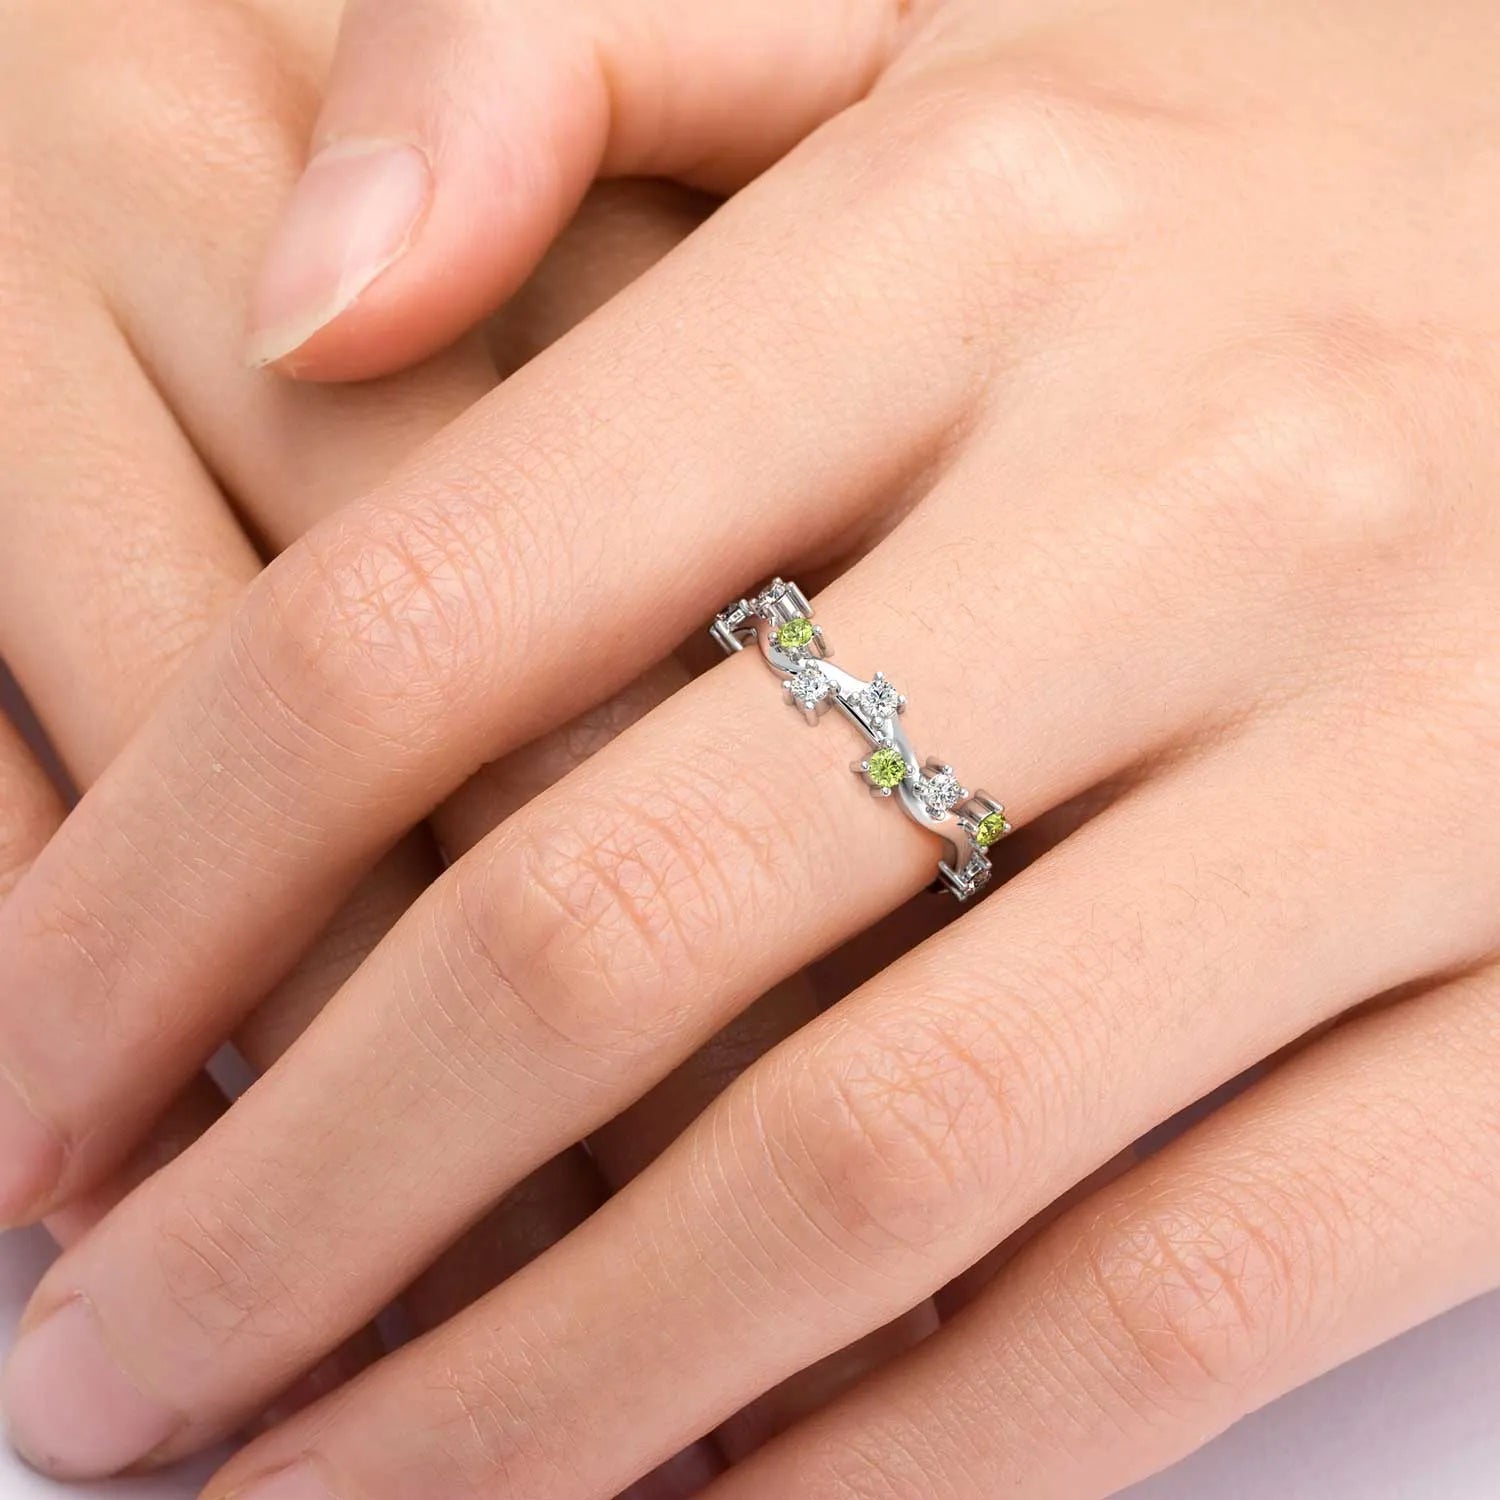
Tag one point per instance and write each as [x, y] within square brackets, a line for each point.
[779, 620]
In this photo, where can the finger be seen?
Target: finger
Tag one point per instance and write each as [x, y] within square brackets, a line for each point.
[239, 90]
[100, 601]
[97, 605]
[120, 552]
[30, 810]
[291, 457]
[30, 805]
[528, 986]
[350, 935]
[896, 1141]
[366, 676]
[457, 139]
[1332, 1206]
[533, 1217]
[561, 1195]
[184, 1120]
[620, 231]
[964, 1288]
[119, 555]
[628, 1144]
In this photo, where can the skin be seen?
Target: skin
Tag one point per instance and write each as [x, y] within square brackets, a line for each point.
[1145, 361]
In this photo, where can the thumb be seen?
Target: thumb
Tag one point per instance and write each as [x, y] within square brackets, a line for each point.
[458, 136]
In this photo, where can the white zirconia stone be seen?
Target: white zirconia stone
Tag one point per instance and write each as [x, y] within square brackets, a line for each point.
[879, 701]
[939, 792]
[808, 686]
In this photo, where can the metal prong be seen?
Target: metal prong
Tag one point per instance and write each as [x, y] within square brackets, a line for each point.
[725, 638]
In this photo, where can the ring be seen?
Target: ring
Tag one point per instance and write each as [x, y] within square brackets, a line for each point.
[779, 619]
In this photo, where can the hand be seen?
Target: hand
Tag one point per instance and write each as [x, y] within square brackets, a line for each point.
[1161, 357]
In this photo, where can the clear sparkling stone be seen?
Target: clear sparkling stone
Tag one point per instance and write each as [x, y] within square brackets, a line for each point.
[879, 701]
[808, 686]
[939, 792]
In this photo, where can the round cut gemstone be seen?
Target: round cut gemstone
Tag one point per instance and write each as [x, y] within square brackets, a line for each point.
[939, 792]
[992, 828]
[795, 634]
[809, 686]
[879, 701]
[887, 768]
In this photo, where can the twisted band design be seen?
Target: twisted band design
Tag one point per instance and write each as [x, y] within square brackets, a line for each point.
[779, 620]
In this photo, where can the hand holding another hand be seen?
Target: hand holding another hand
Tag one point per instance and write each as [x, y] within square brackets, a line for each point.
[1130, 381]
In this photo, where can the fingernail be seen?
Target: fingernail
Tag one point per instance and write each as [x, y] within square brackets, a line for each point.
[71, 1411]
[352, 216]
[299, 1482]
[31, 1158]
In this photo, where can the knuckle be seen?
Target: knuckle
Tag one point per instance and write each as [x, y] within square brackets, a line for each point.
[488, 1427]
[1324, 448]
[898, 1131]
[1201, 1292]
[385, 625]
[1052, 172]
[217, 73]
[221, 1279]
[96, 943]
[600, 923]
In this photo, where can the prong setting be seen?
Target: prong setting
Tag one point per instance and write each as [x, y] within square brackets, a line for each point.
[779, 619]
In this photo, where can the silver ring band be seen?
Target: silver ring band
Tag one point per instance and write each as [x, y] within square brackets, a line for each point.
[779, 620]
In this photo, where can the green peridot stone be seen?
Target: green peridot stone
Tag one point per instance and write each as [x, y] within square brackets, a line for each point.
[795, 634]
[887, 768]
[992, 828]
